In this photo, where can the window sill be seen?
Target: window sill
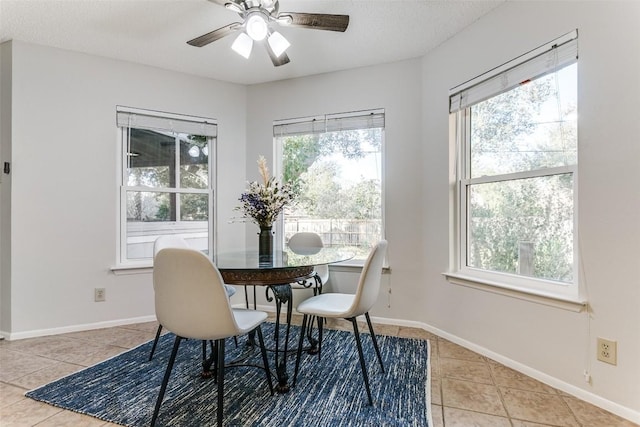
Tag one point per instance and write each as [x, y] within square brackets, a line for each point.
[350, 266]
[122, 270]
[576, 305]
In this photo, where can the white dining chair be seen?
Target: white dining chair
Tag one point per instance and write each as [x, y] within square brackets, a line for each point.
[308, 243]
[349, 306]
[191, 302]
[174, 241]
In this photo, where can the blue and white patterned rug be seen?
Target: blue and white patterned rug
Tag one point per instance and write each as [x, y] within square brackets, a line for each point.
[331, 392]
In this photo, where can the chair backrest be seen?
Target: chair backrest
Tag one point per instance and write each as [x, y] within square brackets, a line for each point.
[190, 298]
[305, 243]
[370, 278]
[308, 243]
[169, 241]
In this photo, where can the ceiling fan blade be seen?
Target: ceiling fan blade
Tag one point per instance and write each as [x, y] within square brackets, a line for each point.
[277, 60]
[316, 21]
[214, 35]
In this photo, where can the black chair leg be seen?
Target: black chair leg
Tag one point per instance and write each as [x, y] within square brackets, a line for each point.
[220, 345]
[375, 340]
[354, 322]
[155, 342]
[300, 344]
[263, 350]
[165, 381]
[320, 325]
[214, 357]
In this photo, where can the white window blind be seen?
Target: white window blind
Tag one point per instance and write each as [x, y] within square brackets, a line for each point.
[536, 63]
[330, 123]
[143, 119]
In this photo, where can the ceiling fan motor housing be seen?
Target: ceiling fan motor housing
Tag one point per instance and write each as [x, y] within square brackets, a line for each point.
[257, 16]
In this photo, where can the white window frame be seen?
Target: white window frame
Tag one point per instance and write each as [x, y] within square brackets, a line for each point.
[127, 117]
[488, 85]
[329, 123]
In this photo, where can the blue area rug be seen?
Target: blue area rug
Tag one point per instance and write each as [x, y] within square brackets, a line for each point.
[331, 392]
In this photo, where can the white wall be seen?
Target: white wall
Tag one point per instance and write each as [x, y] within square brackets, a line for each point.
[5, 185]
[64, 195]
[396, 88]
[551, 341]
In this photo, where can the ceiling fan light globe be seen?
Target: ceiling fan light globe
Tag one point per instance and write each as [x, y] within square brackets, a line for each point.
[243, 45]
[257, 27]
[279, 44]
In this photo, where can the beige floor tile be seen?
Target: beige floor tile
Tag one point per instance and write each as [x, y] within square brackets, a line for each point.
[389, 330]
[17, 364]
[295, 320]
[27, 412]
[147, 327]
[421, 334]
[520, 423]
[436, 395]
[339, 324]
[32, 345]
[68, 418]
[465, 370]
[460, 418]
[434, 361]
[455, 351]
[61, 347]
[104, 353]
[82, 352]
[417, 333]
[436, 416]
[537, 407]
[472, 396]
[102, 336]
[50, 372]
[592, 416]
[507, 377]
[133, 339]
[119, 337]
[10, 394]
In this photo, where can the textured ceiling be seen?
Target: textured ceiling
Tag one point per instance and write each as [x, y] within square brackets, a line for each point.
[154, 32]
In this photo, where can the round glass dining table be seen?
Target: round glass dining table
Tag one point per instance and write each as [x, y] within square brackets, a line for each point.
[277, 271]
[281, 267]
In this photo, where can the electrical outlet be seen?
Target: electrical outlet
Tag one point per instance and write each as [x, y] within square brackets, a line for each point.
[607, 351]
[100, 294]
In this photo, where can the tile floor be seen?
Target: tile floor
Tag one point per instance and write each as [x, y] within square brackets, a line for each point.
[467, 388]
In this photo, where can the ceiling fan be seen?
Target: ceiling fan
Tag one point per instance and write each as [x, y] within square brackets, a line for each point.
[259, 19]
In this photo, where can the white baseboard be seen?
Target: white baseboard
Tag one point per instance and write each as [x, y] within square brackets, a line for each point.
[75, 328]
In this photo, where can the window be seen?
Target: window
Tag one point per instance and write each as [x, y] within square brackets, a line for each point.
[166, 181]
[516, 133]
[335, 163]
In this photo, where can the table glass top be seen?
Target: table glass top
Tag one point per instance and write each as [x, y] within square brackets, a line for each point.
[250, 260]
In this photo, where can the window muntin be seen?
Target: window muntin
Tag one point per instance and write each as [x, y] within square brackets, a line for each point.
[166, 184]
[517, 184]
[338, 174]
